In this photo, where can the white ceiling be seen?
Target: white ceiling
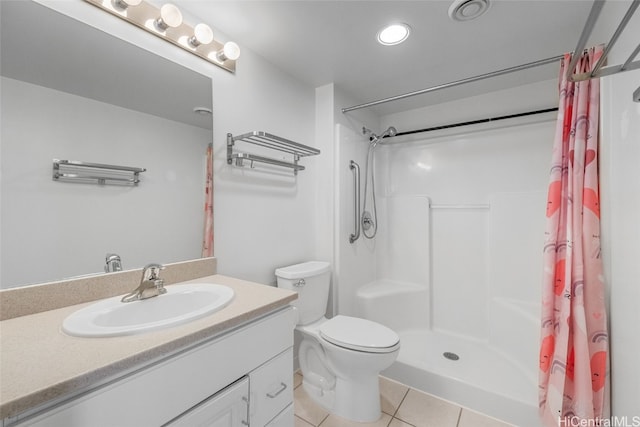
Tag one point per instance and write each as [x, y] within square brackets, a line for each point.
[321, 42]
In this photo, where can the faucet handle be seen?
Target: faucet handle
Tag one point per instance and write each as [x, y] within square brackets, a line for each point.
[154, 271]
[112, 263]
[159, 284]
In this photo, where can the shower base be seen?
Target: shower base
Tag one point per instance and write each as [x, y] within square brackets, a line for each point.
[481, 379]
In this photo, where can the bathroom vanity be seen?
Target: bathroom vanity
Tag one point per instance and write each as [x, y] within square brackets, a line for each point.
[231, 368]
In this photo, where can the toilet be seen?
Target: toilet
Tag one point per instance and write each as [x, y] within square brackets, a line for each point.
[340, 358]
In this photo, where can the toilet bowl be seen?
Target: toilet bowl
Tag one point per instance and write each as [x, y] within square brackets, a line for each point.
[340, 358]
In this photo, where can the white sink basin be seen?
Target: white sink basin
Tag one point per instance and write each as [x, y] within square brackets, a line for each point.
[181, 304]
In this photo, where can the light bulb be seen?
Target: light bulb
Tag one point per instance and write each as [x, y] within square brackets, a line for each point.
[230, 51]
[170, 16]
[202, 34]
[393, 34]
[123, 4]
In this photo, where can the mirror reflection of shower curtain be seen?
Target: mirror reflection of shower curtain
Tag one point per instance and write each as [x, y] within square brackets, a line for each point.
[207, 239]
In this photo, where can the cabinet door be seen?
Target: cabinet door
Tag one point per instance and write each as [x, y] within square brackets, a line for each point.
[284, 418]
[227, 408]
[271, 388]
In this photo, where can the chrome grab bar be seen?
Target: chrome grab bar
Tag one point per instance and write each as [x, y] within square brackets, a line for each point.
[356, 200]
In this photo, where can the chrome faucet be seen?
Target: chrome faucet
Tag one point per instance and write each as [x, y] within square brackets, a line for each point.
[151, 285]
[112, 263]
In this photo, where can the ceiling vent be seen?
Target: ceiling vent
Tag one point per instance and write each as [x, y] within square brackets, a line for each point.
[466, 10]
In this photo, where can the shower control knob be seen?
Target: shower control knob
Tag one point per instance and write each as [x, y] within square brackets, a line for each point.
[367, 220]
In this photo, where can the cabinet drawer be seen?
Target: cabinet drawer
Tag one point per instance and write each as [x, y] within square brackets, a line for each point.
[227, 408]
[271, 388]
[284, 418]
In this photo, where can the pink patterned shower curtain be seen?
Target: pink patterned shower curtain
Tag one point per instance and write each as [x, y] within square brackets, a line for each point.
[574, 347]
[207, 240]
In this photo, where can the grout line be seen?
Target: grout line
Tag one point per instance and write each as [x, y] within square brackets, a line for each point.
[300, 418]
[402, 421]
[400, 404]
[324, 419]
[459, 416]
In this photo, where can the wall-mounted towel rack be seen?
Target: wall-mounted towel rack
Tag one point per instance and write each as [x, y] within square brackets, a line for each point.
[270, 141]
[71, 170]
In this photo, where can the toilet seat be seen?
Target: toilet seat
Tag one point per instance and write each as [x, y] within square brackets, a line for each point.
[359, 334]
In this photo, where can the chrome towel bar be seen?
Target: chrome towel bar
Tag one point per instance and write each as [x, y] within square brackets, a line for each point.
[267, 140]
[72, 170]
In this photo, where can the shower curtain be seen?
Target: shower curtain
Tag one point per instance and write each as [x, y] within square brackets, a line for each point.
[574, 347]
[207, 240]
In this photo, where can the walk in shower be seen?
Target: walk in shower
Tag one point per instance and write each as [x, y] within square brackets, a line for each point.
[455, 267]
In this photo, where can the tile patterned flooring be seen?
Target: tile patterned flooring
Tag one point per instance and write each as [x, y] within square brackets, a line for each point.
[402, 406]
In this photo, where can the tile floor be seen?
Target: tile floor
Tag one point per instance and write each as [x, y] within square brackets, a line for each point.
[402, 406]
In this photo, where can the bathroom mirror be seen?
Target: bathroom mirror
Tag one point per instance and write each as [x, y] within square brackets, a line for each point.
[73, 92]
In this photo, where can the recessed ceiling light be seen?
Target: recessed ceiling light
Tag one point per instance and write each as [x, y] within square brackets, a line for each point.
[393, 34]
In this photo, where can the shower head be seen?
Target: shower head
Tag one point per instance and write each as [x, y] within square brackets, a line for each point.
[375, 139]
[391, 131]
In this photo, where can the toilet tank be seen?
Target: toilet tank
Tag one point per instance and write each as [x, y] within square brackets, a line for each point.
[311, 280]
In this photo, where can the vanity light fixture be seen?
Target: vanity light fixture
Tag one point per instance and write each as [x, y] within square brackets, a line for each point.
[230, 51]
[123, 4]
[166, 22]
[202, 34]
[170, 16]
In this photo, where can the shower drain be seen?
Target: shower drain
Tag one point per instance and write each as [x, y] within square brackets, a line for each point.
[451, 356]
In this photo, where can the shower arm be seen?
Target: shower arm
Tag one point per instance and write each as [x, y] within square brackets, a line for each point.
[356, 200]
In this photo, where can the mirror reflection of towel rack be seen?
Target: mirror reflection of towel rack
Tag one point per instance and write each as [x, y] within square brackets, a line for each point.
[71, 170]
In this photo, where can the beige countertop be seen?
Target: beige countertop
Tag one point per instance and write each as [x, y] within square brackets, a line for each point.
[39, 363]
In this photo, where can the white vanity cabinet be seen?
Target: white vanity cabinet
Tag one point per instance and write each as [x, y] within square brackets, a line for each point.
[271, 389]
[239, 378]
[227, 408]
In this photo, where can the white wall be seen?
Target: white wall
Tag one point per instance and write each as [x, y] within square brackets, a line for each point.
[467, 166]
[254, 212]
[54, 229]
[354, 264]
[475, 252]
[620, 203]
[263, 220]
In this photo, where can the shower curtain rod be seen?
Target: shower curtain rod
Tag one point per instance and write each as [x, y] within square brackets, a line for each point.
[475, 122]
[457, 83]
